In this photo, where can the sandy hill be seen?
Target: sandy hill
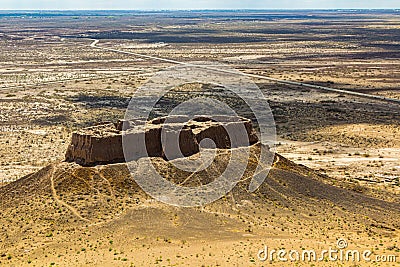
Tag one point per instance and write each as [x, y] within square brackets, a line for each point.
[67, 215]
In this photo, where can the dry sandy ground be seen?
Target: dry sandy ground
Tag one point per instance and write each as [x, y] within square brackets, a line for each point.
[52, 83]
[340, 155]
[67, 215]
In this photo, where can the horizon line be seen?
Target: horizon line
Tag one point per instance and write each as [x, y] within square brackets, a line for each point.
[206, 9]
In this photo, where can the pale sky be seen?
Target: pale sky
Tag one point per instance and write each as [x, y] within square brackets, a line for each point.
[198, 4]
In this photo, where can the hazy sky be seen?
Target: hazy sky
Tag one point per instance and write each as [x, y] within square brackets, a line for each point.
[196, 4]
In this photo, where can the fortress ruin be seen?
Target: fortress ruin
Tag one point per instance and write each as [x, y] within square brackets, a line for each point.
[103, 144]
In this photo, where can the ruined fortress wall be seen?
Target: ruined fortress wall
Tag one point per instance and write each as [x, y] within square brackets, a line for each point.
[102, 144]
[86, 149]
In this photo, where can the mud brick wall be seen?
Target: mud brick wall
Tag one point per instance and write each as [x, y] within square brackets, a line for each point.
[102, 144]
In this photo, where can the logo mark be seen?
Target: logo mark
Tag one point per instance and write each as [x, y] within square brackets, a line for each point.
[341, 243]
[212, 91]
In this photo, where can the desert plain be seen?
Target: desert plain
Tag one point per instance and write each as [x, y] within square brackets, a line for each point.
[336, 172]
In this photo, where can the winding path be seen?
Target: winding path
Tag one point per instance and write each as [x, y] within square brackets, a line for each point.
[61, 202]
